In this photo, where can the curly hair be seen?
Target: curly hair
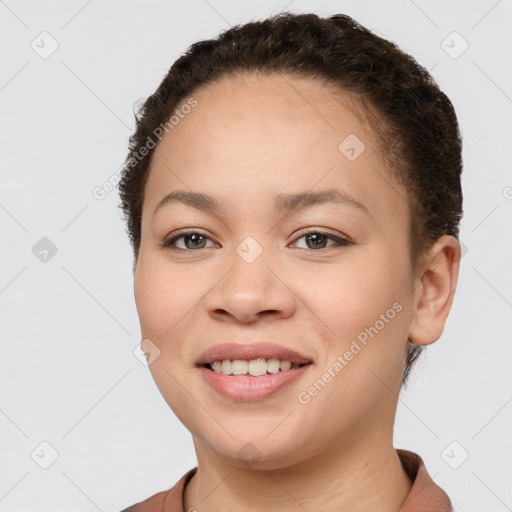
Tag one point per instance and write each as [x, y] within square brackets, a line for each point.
[412, 119]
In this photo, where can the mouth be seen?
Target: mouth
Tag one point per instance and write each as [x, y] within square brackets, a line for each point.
[252, 380]
[252, 367]
[251, 359]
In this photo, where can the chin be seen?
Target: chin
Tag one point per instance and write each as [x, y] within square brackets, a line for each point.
[252, 449]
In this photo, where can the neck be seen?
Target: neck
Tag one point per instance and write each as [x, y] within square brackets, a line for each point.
[347, 476]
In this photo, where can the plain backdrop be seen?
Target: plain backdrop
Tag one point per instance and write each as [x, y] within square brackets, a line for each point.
[74, 396]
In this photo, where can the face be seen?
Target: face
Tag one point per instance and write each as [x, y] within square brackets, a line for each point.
[329, 277]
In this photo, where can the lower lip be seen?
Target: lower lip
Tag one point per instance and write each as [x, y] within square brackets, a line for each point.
[245, 388]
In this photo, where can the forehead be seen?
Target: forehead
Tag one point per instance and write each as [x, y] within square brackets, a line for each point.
[257, 136]
[273, 108]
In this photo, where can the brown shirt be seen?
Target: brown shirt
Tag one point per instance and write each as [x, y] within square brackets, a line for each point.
[425, 495]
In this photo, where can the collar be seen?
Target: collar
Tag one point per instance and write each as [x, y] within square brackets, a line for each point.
[425, 495]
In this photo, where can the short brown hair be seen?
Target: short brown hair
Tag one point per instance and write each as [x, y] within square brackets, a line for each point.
[419, 132]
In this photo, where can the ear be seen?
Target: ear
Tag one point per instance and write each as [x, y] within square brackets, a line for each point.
[434, 293]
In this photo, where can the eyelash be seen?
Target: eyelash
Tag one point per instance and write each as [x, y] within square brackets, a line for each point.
[168, 243]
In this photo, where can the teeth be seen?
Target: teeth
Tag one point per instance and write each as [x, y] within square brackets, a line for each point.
[240, 367]
[226, 367]
[285, 365]
[254, 367]
[273, 365]
[257, 367]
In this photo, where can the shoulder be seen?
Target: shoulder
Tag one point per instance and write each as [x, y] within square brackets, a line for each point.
[425, 495]
[154, 503]
[165, 501]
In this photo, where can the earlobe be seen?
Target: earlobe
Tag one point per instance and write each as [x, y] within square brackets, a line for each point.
[436, 289]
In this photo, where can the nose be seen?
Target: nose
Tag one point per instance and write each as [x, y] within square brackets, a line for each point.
[250, 292]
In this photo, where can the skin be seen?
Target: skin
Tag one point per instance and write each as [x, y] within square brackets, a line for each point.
[247, 140]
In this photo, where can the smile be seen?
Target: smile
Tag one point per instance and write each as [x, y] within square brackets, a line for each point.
[253, 367]
[245, 387]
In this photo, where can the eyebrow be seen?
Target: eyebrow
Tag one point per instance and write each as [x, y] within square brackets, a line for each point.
[288, 202]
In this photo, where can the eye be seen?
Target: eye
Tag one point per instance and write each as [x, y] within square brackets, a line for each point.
[317, 239]
[196, 239]
[191, 240]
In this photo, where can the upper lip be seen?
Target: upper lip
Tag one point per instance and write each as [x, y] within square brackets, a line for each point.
[248, 351]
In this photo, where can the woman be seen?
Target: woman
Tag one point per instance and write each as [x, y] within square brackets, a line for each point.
[292, 195]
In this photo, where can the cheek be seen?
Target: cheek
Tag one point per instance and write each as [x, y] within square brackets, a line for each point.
[361, 313]
[164, 299]
[163, 296]
[351, 297]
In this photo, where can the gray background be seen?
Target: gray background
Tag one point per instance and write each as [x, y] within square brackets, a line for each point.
[68, 373]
